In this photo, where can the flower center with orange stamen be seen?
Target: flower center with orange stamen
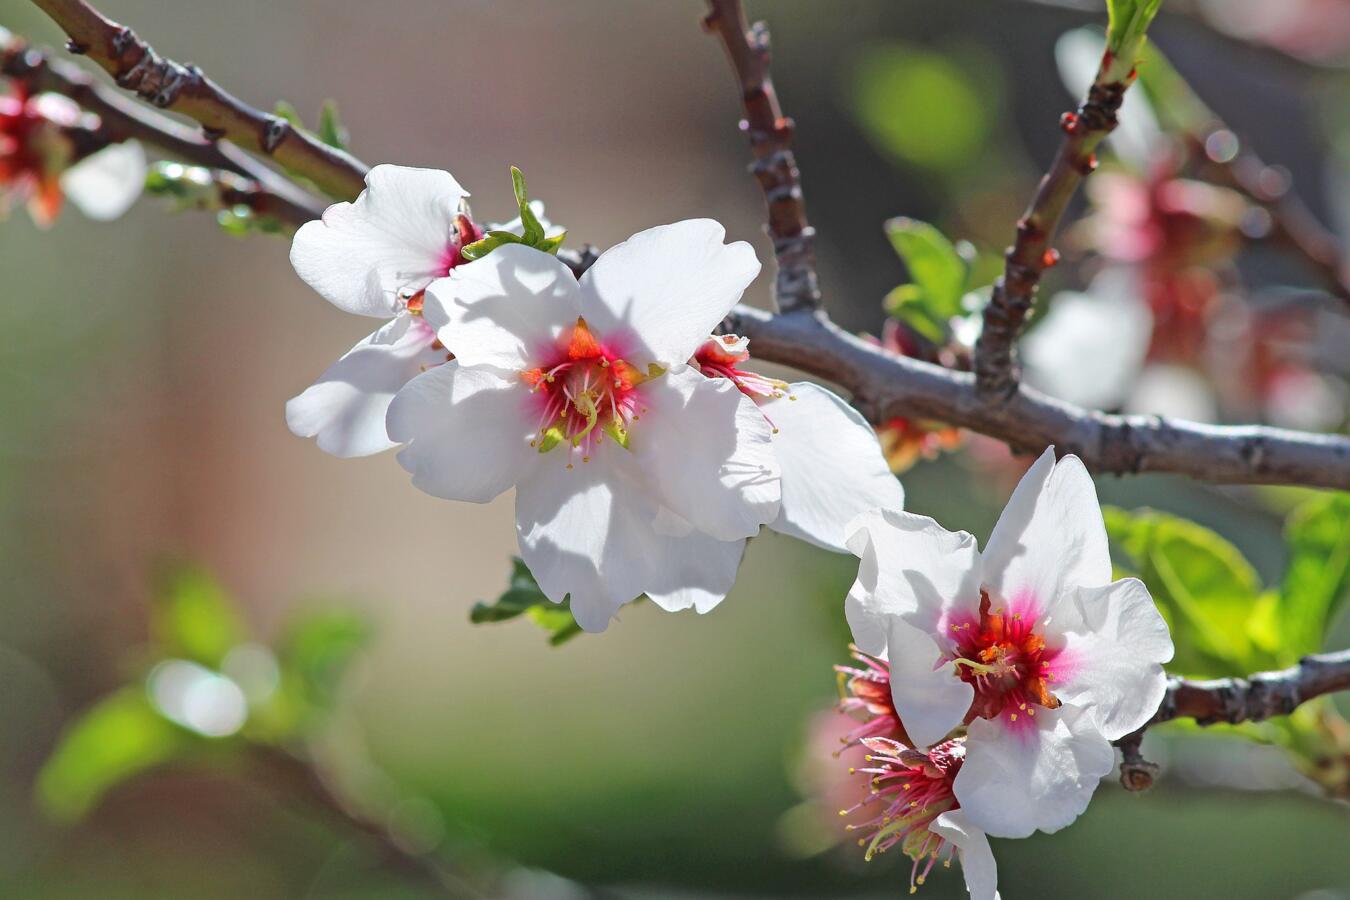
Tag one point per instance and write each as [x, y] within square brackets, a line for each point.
[1006, 661]
[585, 393]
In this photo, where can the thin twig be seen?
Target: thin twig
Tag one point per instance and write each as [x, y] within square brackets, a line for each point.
[122, 119]
[886, 385]
[1293, 225]
[167, 84]
[1031, 253]
[300, 779]
[775, 166]
[1233, 700]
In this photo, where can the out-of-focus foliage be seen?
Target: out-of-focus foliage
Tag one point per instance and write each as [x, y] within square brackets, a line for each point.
[922, 108]
[200, 687]
[523, 597]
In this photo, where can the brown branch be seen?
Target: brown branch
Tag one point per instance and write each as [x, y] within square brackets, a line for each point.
[167, 84]
[775, 167]
[121, 119]
[886, 386]
[1234, 700]
[1031, 253]
[1293, 224]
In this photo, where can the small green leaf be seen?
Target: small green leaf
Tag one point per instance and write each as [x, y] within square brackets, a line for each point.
[533, 234]
[286, 111]
[331, 131]
[192, 617]
[118, 738]
[550, 245]
[1129, 21]
[1317, 580]
[523, 597]
[494, 239]
[1204, 586]
[935, 267]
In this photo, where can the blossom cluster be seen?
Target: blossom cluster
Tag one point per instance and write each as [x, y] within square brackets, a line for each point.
[644, 453]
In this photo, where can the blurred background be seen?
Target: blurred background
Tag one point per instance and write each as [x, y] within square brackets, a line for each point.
[145, 366]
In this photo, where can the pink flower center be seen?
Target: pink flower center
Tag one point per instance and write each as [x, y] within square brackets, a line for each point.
[865, 694]
[585, 393]
[1005, 659]
[909, 789]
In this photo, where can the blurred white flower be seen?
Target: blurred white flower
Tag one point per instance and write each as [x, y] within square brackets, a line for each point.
[1091, 346]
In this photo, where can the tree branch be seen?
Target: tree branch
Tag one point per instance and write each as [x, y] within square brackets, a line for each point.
[775, 167]
[122, 119]
[886, 385]
[1235, 700]
[167, 84]
[1031, 253]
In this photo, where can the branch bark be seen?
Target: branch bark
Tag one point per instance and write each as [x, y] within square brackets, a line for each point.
[167, 84]
[123, 119]
[797, 285]
[1235, 700]
[1031, 254]
[886, 386]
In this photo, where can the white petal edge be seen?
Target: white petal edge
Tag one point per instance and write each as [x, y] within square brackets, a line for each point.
[662, 291]
[1050, 537]
[509, 309]
[977, 860]
[392, 240]
[832, 466]
[345, 409]
[467, 431]
[912, 567]
[1016, 782]
[1116, 649]
[930, 699]
[105, 184]
[707, 452]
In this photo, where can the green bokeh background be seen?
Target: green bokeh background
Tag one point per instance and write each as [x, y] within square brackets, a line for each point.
[143, 369]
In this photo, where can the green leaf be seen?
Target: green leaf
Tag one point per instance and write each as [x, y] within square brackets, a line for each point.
[192, 617]
[935, 267]
[331, 131]
[285, 110]
[118, 738]
[1204, 586]
[1317, 580]
[533, 234]
[1129, 21]
[523, 597]
[494, 239]
[318, 650]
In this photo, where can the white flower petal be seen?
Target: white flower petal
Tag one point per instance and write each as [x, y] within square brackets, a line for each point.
[662, 291]
[1014, 782]
[394, 239]
[977, 860]
[467, 431]
[1173, 391]
[507, 309]
[1114, 656]
[105, 184]
[832, 466]
[695, 571]
[930, 699]
[345, 409]
[911, 566]
[707, 450]
[1049, 539]
[590, 532]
